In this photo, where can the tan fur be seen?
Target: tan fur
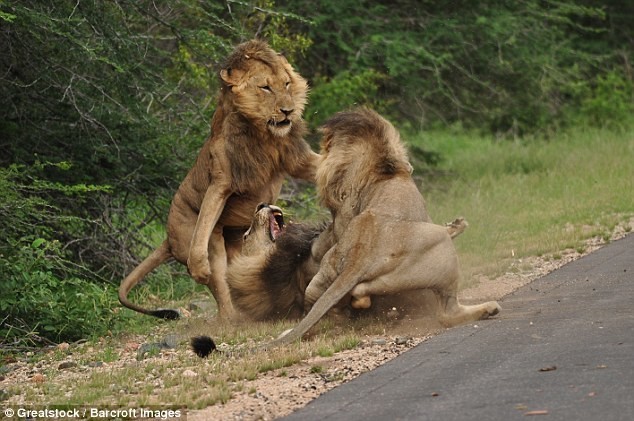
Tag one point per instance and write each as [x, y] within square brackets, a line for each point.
[384, 240]
[256, 140]
[269, 279]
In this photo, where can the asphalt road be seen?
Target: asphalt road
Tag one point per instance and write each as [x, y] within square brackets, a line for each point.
[561, 349]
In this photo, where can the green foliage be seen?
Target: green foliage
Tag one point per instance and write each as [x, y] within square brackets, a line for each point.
[343, 91]
[300, 203]
[606, 101]
[501, 67]
[42, 297]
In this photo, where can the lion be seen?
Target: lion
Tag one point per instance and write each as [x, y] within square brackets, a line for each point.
[257, 139]
[384, 241]
[269, 278]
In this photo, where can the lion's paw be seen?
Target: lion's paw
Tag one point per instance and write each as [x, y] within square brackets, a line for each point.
[200, 272]
[361, 302]
[491, 309]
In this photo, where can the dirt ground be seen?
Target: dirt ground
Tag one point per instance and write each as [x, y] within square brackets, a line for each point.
[279, 392]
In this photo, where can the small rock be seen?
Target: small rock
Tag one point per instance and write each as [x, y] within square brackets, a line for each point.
[393, 313]
[95, 364]
[131, 346]
[200, 305]
[66, 364]
[401, 340]
[63, 346]
[170, 341]
[378, 341]
[38, 378]
[4, 395]
[189, 373]
[150, 348]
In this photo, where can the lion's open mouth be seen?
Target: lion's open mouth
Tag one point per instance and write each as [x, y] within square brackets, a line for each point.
[276, 224]
[283, 123]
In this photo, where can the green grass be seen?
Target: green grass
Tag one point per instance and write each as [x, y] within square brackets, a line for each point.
[530, 197]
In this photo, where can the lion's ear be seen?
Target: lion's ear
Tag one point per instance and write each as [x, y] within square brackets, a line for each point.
[232, 77]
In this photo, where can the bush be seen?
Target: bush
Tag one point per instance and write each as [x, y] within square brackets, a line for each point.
[345, 90]
[609, 101]
[43, 296]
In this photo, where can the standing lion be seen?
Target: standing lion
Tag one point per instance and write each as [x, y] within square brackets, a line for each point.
[256, 140]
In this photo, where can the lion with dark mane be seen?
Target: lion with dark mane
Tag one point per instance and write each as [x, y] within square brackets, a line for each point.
[256, 141]
[267, 281]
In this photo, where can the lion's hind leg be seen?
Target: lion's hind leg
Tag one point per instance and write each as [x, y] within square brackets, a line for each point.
[452, 313]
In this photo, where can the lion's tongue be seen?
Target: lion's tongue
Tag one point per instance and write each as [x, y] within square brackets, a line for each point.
[275, 228]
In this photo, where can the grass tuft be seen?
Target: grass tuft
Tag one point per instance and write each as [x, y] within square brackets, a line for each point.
[529, 197]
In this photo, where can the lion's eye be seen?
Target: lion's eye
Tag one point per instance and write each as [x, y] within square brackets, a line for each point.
[266, 88]
[288, 84]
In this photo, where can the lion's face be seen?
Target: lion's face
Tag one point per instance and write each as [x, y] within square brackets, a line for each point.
[267, 225]
[268, 92]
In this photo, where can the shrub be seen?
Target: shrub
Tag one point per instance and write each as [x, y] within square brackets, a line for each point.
[42, 296]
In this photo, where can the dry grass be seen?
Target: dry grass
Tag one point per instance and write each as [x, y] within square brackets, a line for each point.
[529, 198]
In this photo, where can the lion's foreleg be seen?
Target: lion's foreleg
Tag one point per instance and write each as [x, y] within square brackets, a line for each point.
[217, 281]
[339, 288]
[306, 168]
[212, 205]
[322, 280]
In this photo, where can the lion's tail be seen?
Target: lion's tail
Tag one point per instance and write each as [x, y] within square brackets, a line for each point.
[158, 256]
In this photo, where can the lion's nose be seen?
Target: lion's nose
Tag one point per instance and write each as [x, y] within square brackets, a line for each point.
[261, 206]
[287, 112]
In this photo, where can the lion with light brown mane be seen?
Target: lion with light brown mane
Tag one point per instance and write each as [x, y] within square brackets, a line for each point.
[383, 240]
[256, 140]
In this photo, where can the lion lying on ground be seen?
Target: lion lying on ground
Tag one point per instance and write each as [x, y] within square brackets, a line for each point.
[256, 140]
[269, 279]
[383, 239]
